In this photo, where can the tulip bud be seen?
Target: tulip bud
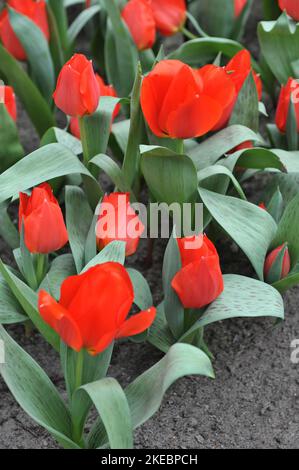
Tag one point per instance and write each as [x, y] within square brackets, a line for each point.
[36, 11]
[77, 91]
[239, 7]
[7, 97]
[277, 264]
[288, 93]
[200, 280]
[138, 16]
[170, 15]
[42, 219]
[291, 7]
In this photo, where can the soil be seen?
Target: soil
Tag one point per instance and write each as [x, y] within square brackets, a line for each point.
[253, 403]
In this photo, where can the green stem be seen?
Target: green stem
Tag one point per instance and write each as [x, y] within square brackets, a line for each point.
[79, 369]
[180, 146]
[84, 141]
[76, 424]
[188, 34]
[41, 262]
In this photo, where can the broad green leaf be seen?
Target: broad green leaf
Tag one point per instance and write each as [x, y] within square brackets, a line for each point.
[242, 297]
[55, 44]
[56, 135]
[271, 9]
[215, 16]
[81, 20]
[35, 392]
[8, 230]
[169, 176]
[145, 394]
[159, 334]
[120, 132]
[34, 103]
[61, 267]
[10, 309]
[250, 227]
[215, 170]
[287, 282]
[78, 220]
[246, 109]
[37, 51]
[59, 11]
[142, 293]
[261, 158]
[115, 252]
[115, 173]
[10, 150]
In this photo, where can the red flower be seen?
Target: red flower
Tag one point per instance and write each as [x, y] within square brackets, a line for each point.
[87, 3]
[34, 10]
[42, 219]
[118, 221]
[291, 7]
[105, 90]
[200, 280]
[170, 15]
[181, 103]
[288, 92]
[7, 97]
[93, 309]
[77, 92]
[282, 269]
[138, 16]
[239, 6]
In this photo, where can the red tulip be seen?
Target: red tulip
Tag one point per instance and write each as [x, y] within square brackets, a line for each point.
[7, 97]
[200, 280]
[87, 3]
[42, 219]
[179, 102]
[34, 10]
[138, 16]
[170, 15]
[105, 90]
[239, 6]
[277, 264]
[288, 92]
[93, 309]
[118, 221]
[291, 7]
[77, 91]
[262, 206]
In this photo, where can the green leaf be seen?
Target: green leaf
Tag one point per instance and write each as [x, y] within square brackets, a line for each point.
[8, 230]
[145, 394]
[169, 176]
[246, 109]
[242, 297]
[159, 334]
[56, 135]
[112, 405]
[220, 170]
[10, 309]
[115, 173]
[59, 11]
[279, 44]
[142, 293]
[249, 226]
[44, 164]
[81, 20]
[55, 44]
[78, 220]
[216, 20]
[115, 251]
[10, 150]
[61, 267]
[37, 51]
[288, 282]
[33, 102]
[35, 392]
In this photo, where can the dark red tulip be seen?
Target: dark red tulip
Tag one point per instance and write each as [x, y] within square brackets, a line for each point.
[169, 15]
[42, 219]
[200, 280]
[118, 221]
[93, 309]
[138, 16]
[288, 92]
[7, 97]
[291, 7]
[36, 11]
[77, 91]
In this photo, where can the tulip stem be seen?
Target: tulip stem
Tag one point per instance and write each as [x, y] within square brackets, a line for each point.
[188, 34]
[41, 262]
[79, 369]
[84, 141]
[180, 147]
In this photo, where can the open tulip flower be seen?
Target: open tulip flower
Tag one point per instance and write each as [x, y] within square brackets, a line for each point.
[8, 98]
[93, 309]
[291, 7]
[35, 11]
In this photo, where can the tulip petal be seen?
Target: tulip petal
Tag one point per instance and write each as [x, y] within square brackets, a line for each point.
[102, 344]
[137, 323]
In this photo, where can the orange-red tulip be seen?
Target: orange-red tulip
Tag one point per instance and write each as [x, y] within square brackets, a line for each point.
[284, 265]
[291, 7]
[118, 221]
[200, 280]
[138, 16]
[7, 97]
[93, 309]
[179, 102]
[288, 92]
[105, 90]
[170, 15]
[239, 6]
[42, 219]
[77, 91]
[34, 10]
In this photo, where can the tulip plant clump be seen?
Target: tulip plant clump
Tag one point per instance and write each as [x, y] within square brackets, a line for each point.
[180, 124]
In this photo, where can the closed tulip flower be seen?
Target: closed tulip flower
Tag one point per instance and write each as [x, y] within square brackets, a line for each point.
[34, 10]
[288, 93]
[42, 219]
[138, 16]
[277, 264]
[291, 7]
[170, 15]
[180, 103]
[77, 91]
[118, 221]
[7, 96]
[105, 90]
[239, 7]
[93, 309]
[200, 280]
